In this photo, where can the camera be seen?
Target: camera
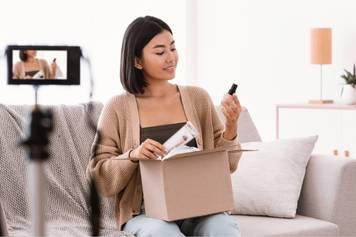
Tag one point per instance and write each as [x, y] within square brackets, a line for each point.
[43, 65]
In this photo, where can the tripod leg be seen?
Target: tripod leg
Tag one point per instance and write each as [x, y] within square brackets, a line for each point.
[37, 190]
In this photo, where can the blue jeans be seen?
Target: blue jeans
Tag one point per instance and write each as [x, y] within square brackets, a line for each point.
[220, 224]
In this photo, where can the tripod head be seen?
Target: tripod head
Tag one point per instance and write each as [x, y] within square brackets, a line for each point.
[38, 140]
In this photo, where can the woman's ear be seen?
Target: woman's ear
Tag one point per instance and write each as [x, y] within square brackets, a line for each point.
[138, 64]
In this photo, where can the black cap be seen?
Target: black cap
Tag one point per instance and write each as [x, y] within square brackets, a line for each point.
[232, 89]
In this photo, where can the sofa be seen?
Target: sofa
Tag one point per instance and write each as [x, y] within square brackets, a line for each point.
[327, 204]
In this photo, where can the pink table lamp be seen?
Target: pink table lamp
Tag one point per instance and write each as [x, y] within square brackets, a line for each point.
[321, 52]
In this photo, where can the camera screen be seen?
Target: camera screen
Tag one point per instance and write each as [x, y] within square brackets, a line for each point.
[39, 64]
[58, 65]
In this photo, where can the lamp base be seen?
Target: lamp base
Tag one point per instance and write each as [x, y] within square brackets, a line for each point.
[321, 101]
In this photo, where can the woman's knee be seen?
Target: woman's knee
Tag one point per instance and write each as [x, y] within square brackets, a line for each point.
[150, 227]
[217, 225]
[163, 228]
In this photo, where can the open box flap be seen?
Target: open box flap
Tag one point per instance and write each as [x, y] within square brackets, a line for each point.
[232, 148]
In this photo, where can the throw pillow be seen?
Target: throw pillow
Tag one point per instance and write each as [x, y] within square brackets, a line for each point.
[268, 181]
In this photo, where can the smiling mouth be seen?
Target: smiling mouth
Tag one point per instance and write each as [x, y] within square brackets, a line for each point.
[170, 68]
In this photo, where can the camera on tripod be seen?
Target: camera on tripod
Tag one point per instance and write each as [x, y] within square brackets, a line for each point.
[41, 65]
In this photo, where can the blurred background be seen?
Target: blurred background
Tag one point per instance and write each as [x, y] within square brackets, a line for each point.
[264, 46]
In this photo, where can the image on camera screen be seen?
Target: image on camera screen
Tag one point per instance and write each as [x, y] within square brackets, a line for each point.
[39, 64]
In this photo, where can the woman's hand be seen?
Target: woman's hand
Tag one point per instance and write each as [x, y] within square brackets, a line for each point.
[149, 149]
[231, 108]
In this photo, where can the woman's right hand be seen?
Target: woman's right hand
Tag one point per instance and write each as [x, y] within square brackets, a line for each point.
[149, 149]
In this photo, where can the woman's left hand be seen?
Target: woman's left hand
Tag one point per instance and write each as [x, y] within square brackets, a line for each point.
[231, 108]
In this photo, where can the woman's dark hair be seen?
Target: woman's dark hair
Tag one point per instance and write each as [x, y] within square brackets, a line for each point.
[137, 35]
[23, 55]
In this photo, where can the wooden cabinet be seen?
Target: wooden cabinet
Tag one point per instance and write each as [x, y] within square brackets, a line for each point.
[335, 124]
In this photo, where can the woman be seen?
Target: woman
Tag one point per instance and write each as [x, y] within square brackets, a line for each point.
[29, 67]
[135, 124]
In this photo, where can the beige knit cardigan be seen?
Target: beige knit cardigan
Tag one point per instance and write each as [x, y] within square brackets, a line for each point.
[119, 127]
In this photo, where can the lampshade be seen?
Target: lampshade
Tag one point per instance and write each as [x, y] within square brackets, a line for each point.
[320, 45]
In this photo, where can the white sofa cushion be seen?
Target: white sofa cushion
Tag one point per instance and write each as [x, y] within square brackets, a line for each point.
[268, 181]
[299, 226]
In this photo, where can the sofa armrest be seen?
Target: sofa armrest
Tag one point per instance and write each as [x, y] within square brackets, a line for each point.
[329, 192]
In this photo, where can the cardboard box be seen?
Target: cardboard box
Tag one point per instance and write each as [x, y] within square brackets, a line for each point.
[187, 185]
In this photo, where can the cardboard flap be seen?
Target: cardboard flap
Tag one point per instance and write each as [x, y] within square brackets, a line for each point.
[232, 148]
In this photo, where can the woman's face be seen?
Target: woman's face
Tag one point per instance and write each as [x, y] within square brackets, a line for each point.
[159, 58]
[31, 53]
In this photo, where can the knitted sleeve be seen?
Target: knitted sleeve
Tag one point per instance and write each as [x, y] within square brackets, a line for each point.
[111, 175]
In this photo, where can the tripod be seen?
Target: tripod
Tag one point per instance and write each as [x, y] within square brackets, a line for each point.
[40, 127]
[37, 147]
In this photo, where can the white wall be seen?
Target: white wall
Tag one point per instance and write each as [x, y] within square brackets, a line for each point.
[97, 26]
[264, 46]
[261, 45]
